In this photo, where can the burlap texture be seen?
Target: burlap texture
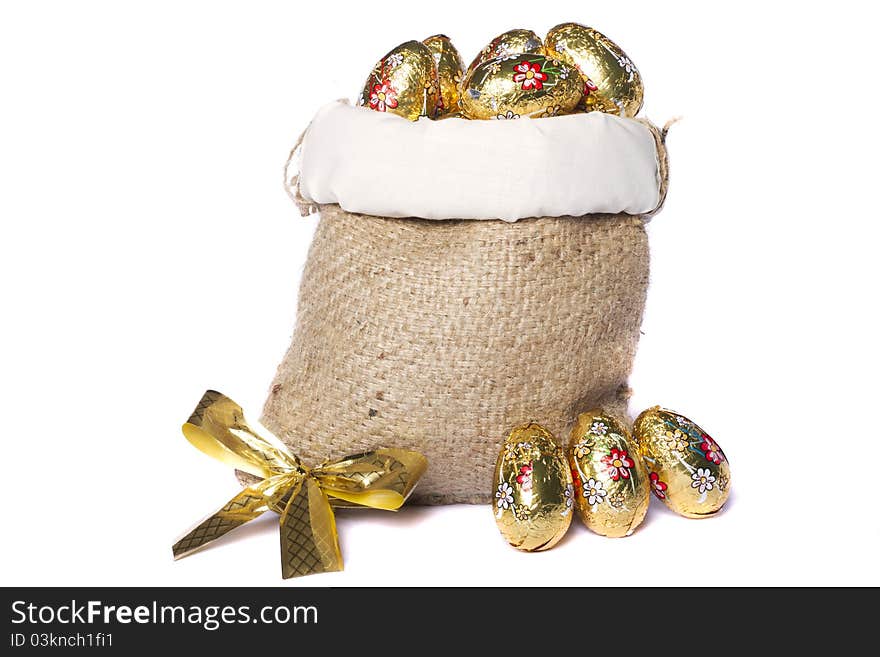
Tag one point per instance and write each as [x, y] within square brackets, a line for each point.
[441, 336]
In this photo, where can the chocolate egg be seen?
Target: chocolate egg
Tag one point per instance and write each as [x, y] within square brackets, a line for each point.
[512, 42]
[688, 470]
[524, 85]
[403, 82]
[612, 83]
[450, 71]
[533, 495]
[611, 483]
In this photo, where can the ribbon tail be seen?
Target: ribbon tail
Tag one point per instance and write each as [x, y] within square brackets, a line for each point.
[309, 543]
[250, 503]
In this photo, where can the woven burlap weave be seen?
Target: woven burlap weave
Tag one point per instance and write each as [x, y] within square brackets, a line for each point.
[440, 336]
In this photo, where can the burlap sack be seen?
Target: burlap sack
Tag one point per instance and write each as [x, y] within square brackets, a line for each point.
[440, 336]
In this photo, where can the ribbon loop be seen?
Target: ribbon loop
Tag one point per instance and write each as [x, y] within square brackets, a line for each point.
[381, 479]
[218, 428]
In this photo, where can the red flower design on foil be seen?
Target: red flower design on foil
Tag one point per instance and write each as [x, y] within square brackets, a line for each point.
[617, 464]
[711, 450]
[589, 87]
[383, 96]
[524, 478]
[658, 487]
[530, 75]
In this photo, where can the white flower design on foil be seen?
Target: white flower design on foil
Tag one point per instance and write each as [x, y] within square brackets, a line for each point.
[703, 480]
[504, 495]
[627, 66]
[594, 491]
[509, 115]
[503, 52]
[569, 499]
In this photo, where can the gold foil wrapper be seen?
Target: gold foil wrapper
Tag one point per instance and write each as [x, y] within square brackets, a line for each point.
[509, 44]
[403, 82]
[688, 470]
[611, 483]
[524, 85]
[534, 495]
[304, 497]
[612, 82]
[450, 71]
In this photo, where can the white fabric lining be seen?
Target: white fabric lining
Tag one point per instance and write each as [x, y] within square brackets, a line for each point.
[379, 163]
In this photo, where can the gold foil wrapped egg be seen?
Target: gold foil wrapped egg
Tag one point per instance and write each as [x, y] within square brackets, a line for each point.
[611, 483]
[688, 470]
[450, 71]
[524, 85]
[612, 82]
[534, 494]
[512, 42]
[403, 82]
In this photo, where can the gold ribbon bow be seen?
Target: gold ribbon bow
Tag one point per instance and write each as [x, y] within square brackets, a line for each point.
[381, 479]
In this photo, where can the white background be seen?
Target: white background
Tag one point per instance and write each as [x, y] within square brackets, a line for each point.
[149, 253]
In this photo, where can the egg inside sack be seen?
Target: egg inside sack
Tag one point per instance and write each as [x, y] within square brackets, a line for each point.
[534, 496]
[508, 44]
[524, 85]
[688, 470]
[450, 71]
[612, 82]
[611, 483]
[403, 82]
